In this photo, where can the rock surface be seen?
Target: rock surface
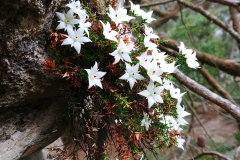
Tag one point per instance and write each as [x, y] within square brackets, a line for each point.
[31, 114]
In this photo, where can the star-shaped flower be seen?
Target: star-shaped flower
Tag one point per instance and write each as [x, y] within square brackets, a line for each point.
[175, 93]
[122, 52]
[94, 76]
[147, 43]
[135, 9]
[146, 121]
[192, 60]
[181, 114]
[132, 74]
[180, 142]
[152, 94]
[149, 32]
[84, 25]
[75, 38]
[147, 16]
[119, 16]
[108, 32]
[189, 55]
[144, 58]
[154, 72]
[76, 7]
[168, 67]
[66, 20]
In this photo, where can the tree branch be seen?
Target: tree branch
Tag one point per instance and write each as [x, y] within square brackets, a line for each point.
[227, 66]
[213, 153]
[226, 2]
[235, 22]
[212, 18]
[215, 84]
[173, 14]
[207, 94]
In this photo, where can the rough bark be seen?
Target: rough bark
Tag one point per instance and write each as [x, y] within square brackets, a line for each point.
[30, 113]
[29, 128]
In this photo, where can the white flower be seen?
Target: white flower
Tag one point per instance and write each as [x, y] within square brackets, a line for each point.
[75, 38]
[66, 20]
[108, 32]
[132, 74]
[154, 72]
[147, 16]
[170, 122]
[152, 93]
[180, 142]
[149, 32]
[168, 67]
[189, 55]
[144, 58]
[94, 76]
[159, 57]
[149, 44]
[84, 25]
[75, 6]
[167, 83]
[184, 50]
[119, 16]
[146, 121]
[175, 93]
[135, 9]
[122, 52]
[192, 60]
[181, 114]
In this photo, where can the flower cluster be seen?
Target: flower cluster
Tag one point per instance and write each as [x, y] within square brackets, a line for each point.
[190, 56]
[152, 60]
[74, 22]
[126, 48]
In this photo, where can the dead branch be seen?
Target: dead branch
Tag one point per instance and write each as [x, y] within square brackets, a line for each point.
[213, 153]
[230, 67]
[212, 18]
[232, 109]
[215, 85]
[226, 2]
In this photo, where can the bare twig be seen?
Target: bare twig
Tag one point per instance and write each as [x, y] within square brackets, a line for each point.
[212, 18]
[215, 85]
[207, 94]
[190, 37]
[213, 153]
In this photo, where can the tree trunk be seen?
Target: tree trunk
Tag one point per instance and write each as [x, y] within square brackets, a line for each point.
[31, 112]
